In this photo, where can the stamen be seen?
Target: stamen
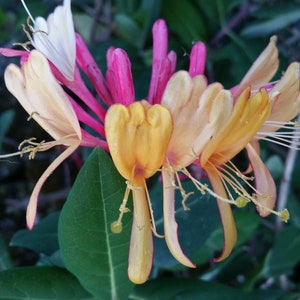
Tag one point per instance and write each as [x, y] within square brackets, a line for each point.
[116, 226]
[203, 188]
[153, 227]
[33, 148]
[184, 195]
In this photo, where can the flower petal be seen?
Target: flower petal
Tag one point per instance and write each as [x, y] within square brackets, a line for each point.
[170, 224]
[55, 38]
[262, 70]
[32, 205]
[228, 223]
[42, 97]
[138, 136]
[264, 183]
[141, 241]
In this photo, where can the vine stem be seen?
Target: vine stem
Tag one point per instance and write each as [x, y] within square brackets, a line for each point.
[286, 181]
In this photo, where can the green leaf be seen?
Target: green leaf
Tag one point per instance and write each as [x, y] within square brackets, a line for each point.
[194, 225]
[284, 255]
[89, 249]
[271, 26]
[183, 18]
[5, 260]
[169, 289]
[128, 29]
[42, 238]
[246, 224]
[40, 283]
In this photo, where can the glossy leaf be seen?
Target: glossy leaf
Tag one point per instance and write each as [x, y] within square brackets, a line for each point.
[40, 283]
[271, 26]
[89, 249]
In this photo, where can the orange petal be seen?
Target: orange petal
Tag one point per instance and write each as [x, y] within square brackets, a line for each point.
[228, 223]
[141, 241]
[170, 224]
[264, 183]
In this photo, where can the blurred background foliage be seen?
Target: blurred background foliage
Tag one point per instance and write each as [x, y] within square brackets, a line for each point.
[266, 259]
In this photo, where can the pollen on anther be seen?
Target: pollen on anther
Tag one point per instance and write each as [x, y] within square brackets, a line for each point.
[241, 201]
[116, 227]
[285, 215]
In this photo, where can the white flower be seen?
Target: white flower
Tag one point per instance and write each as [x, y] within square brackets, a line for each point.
[55, 38]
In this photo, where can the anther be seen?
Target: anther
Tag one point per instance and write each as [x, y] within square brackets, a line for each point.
[116, 227]
[241, 201]
[285, 215]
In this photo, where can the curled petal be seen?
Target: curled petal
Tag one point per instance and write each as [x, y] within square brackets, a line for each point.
[32, 205]
[170, 224]
[141, 241]
[287, 95]
[228, 223]
[262, 70]
[264, 183]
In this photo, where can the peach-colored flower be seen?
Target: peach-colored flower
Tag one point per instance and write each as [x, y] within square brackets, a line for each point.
[45, 101]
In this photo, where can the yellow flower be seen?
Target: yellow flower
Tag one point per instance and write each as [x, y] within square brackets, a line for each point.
[137, 137]
[248, 115]
[45, 101]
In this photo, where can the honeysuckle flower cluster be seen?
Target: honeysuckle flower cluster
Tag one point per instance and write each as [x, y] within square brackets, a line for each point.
[184, 121]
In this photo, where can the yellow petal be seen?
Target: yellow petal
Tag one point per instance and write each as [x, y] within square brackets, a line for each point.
[247, 117]
[137, 137]
[141, 241]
